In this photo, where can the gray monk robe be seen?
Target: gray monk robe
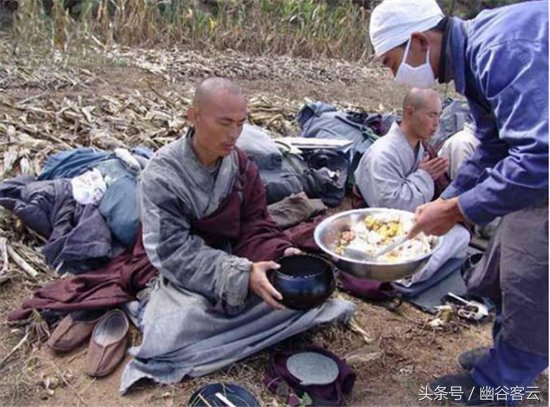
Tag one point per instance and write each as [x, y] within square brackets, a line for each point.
[202, 229]
[388, 176]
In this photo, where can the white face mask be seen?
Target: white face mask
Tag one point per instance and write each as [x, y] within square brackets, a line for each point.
[421, 76]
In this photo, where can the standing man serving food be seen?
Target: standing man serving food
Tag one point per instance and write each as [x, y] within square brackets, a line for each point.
[499, 62]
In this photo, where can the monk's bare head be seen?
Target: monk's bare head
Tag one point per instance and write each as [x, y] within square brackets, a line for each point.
[421, 112]
[218, 114]
[212, 89]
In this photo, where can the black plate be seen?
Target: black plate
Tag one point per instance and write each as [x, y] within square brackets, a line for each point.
[238, 395]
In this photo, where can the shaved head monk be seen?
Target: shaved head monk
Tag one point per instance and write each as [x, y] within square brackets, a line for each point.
[207, 230]
[396, 171]
[218, 114]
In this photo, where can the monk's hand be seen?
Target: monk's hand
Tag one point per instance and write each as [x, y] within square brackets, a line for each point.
[260, 285]
[436, 218]
[292, 251]
[436, 167]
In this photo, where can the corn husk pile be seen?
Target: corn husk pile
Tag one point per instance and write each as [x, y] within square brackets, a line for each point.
[43, 78]
[177, 65]
[34, 128]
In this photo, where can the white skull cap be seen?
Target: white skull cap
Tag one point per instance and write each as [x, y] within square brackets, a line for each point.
[393, 21]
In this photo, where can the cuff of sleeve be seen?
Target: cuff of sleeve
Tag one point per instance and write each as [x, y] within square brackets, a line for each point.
[450, 192]
[472, 209]
[237, 272]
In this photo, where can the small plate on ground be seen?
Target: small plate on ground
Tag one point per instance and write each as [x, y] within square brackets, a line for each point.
[312, 368]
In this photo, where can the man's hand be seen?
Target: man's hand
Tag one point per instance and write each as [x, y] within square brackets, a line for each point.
[436, 218]
[292, 251]
[436, 167]
[259, 284]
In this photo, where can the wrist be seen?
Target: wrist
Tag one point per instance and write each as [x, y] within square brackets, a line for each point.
[455, 210]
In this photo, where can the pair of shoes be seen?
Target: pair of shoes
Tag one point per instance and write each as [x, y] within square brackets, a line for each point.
[468, 359]
[460, 389]
[108, 344]
[73, 330]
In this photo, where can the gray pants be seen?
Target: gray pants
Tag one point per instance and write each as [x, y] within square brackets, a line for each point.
[514, 274]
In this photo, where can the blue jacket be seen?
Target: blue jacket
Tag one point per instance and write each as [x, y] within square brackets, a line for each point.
[500, 64]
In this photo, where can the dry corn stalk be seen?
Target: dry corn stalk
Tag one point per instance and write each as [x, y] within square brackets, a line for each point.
[4, 256]
[22, 263]
[355, 327]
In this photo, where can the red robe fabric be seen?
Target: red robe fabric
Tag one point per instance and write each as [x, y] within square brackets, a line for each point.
[110, 286]
[243, 219]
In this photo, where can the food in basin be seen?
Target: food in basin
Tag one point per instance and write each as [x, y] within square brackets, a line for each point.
[377, 231]
[368, 231]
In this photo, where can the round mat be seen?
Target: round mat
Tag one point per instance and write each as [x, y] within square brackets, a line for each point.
[312, 368]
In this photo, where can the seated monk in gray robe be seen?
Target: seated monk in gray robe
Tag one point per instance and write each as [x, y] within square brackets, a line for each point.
[396, 173]
[207, 230]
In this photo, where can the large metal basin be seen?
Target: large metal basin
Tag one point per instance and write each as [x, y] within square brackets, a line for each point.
[328, 232]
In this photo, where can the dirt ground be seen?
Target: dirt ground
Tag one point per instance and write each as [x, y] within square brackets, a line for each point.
[402, 353]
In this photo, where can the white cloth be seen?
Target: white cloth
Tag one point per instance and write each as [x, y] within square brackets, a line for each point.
[89, 187]
[458, 148]
[127, 158]
[454, 245]
[388, 176]
[393, 22]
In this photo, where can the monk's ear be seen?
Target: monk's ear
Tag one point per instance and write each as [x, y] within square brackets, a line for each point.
[192, 115]
[409, 110]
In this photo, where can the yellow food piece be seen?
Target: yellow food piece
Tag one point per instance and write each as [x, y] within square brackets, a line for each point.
[393, 229]
[369, 222]
[372, 224]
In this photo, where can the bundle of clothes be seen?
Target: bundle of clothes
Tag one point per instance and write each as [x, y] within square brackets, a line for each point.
[84, 203]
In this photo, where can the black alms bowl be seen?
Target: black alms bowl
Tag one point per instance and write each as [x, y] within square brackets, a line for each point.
[305, 281]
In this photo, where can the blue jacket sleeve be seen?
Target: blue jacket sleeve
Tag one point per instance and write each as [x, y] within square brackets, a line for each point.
[514, 79]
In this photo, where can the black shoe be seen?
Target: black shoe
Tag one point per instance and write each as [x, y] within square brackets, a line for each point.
[460, 389]
[468, 359]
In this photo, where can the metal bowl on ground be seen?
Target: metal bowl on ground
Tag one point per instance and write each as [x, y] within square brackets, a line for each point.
[305, 281]
[327, 235]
